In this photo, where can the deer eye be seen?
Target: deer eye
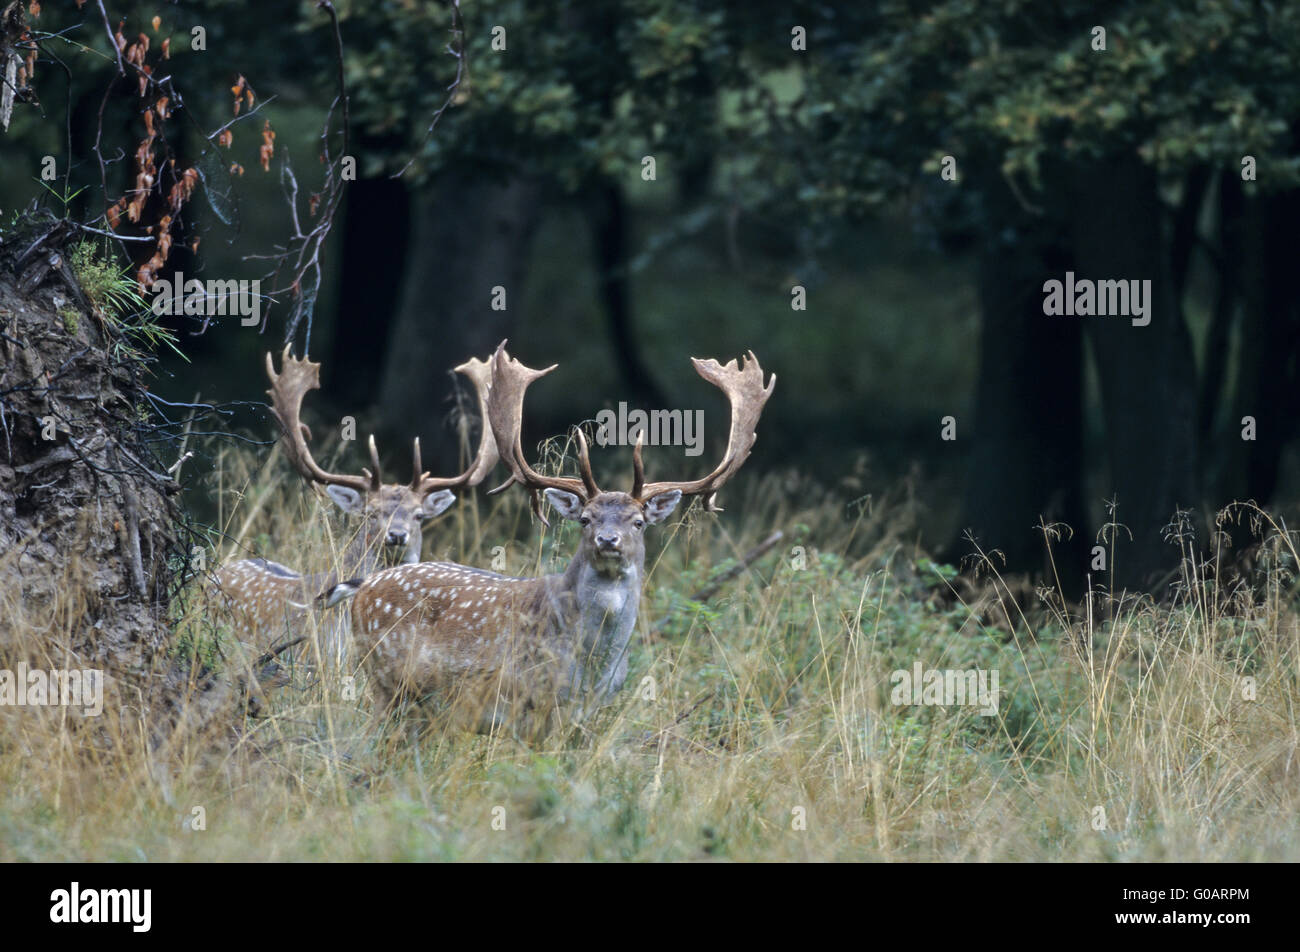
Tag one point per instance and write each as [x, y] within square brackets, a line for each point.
[639, 523]
[584, 521]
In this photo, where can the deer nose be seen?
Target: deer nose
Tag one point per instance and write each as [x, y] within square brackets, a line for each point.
[607, 541]
[397, 537]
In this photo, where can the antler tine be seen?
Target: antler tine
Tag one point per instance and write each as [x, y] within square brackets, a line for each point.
[638, 469]
[746, 393]
[288, 387]
[479, 373]
[372, 474]
[417, 467]
[510, 379]
[584, 465]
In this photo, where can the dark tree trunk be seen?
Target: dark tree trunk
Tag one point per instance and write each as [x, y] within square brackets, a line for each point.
[1147, 374]
[1225, 299]
[1269, 378]
[375, 233]
[608, 216]
[67, 450]
[1026, 455]
[466, 238]
[92, 538]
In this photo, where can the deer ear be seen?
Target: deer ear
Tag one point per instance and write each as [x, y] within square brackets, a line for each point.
[347, 499]
[658, 508]
[436, 503]
[566, 504]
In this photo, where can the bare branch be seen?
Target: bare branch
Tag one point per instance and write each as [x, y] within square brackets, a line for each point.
[112, 40]
[457, 49]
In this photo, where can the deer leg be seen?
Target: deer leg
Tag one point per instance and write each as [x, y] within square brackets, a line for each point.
[382, 702]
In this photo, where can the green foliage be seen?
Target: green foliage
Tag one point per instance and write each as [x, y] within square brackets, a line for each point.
[113, 292]
[884, 90]
[64, 196]
[581, 90]
[939, 571]
[200, 643]
[110, 289]
[1011, 88]
[142, 335]
[861, 117]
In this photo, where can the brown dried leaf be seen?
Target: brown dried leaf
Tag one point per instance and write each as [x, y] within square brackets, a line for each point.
[267, 150]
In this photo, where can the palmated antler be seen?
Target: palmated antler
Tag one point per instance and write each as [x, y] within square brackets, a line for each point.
[745, 392]
[288, 388]
[510, 379]
[742, 384]
[479, 373]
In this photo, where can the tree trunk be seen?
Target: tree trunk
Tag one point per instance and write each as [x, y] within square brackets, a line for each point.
[608, 215]
[1147, 374]
[1026, 458]
[374, 246]
[1267, 387]
[92, 541]
[467, 238]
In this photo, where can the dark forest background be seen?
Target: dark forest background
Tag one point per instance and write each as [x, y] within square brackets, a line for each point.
[793, 145]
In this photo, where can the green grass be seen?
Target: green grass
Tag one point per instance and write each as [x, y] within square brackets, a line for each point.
[113, 293]
[758, 726]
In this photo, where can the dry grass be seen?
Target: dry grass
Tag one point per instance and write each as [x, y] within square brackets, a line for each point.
[767, 705]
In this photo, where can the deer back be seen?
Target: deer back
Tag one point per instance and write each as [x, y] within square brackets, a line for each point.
[264, 599]
[491, 644]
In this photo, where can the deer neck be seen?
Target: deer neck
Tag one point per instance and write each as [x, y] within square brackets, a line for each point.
[599, 614]
[361, 559]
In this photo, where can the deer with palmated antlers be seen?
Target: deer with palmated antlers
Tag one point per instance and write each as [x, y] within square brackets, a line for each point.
[518, 651]
[269, 600]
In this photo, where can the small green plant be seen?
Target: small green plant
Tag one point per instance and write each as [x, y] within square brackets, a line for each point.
[945, 573]
[199, 642]
[113, 292]
[71, 320]
[64, 197]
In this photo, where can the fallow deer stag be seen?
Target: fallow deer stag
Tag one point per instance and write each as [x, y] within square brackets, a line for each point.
[522, 651]
[269, 600]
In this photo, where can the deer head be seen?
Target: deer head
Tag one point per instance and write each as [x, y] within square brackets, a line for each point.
[391, 513]
[612, 522]
[269, 599]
